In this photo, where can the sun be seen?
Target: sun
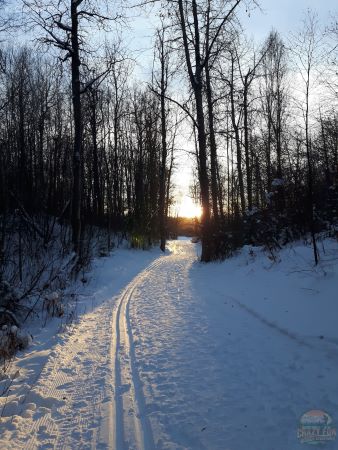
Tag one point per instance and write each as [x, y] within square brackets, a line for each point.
[187, 208]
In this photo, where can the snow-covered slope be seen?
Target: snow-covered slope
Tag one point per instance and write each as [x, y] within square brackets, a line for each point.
[187, 356]
[289, 292]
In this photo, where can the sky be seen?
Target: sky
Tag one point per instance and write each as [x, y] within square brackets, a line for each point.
[285, 16]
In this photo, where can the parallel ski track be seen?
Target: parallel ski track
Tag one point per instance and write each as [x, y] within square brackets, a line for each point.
[115, 417]
[132, 429]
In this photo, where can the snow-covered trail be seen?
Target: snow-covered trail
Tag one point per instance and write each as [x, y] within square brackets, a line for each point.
[88, 395]
[175, 363]
[216, 374]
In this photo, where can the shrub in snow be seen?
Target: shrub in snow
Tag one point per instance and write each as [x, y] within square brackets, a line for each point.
[103, 251]
[8, 304]
[53, 305]
[226, 239]
[13, 339]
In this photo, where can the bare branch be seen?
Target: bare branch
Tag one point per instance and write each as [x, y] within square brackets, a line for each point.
[187, 112]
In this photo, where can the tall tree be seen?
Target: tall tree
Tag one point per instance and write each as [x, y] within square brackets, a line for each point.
[163, 56]
[305, 47]
[198, 44]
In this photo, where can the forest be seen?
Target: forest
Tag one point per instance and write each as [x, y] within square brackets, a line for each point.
[88, 150]
[168, 224]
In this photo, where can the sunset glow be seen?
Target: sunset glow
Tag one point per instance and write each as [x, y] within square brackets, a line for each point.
[187, 208]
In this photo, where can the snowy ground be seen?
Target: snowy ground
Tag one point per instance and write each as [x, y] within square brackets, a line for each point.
[186, 356]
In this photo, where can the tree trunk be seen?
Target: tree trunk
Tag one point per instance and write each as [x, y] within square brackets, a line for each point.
[196, 84]
[246, 143]
[310, 174]
[77, 117]
[162, 189]
[213, 147]
[238, 142]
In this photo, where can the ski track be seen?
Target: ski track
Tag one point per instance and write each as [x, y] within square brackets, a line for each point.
[132, 428]
[89, 395]
[72, 389]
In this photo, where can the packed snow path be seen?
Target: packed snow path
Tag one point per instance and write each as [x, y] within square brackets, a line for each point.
[175, 363]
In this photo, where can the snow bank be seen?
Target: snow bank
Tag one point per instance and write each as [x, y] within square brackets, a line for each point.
[290, 292]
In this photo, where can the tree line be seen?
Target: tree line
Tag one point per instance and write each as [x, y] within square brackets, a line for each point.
[82, 142]
[121, 145]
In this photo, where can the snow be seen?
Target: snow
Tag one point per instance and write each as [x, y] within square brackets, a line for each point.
[277, 182]
[53, 296]
[252, 211]
[170, 353]
[53, 357]
[290, 292]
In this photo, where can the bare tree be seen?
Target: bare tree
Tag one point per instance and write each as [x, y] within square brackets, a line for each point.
[305, 46]
[274, 101]
[199, 40]
[163, 56]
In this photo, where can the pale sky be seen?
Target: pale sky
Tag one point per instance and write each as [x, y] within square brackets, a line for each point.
[284, 15]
